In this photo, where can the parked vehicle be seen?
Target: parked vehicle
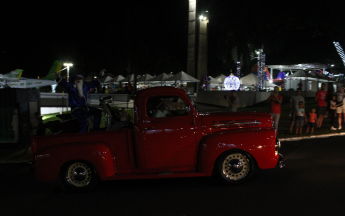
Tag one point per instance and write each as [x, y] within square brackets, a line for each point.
[178, 142]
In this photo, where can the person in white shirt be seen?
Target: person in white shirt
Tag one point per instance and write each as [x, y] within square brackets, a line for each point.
[160, 111]
[294, 101]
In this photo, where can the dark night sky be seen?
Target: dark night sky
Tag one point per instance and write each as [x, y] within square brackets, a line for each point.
[98, 35]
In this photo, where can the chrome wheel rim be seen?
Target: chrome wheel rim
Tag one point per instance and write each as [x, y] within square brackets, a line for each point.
[79, 175]
[235, 166]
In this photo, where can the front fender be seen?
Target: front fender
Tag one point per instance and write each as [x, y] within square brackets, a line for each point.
[48, 161]
[259, 143]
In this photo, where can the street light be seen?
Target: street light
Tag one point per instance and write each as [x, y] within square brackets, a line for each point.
[68, 65]
[203, 18]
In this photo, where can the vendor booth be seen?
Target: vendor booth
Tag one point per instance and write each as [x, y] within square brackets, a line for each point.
[307, 76]
[307, 81]
[250, 82]
[159, 80]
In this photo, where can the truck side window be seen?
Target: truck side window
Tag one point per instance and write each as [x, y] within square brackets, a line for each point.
[158, 107]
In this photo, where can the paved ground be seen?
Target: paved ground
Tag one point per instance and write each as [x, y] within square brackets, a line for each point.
[16, 153]
[312, 183]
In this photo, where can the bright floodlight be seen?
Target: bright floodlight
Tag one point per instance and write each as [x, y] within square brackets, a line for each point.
[202, 17]
[68, 65]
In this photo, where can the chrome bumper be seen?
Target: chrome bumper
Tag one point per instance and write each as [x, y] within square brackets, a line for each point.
[281, 161]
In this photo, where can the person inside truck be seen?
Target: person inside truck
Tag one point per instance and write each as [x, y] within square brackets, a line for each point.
[160, 111]
[77, 99]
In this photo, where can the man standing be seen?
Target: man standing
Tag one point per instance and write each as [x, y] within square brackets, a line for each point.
[233, 102]
[275, 100]
[294, 101]
[320, 98]
[77, 99]
[339, 105]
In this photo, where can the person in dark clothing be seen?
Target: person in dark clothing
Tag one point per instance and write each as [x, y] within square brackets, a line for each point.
[40, 129]
[77, 99]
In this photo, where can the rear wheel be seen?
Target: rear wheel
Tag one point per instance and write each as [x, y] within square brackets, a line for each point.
[79, 176]
[235, 167]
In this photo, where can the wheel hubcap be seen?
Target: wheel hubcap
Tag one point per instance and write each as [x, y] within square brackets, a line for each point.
[235, 166]
[79, 174]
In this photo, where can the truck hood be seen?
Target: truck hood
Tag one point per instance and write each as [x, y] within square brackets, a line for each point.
[212, 122]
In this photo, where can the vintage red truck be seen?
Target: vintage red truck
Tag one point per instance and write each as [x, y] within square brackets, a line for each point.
[181, 143]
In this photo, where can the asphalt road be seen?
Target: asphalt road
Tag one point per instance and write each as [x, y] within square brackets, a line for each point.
[312, 183]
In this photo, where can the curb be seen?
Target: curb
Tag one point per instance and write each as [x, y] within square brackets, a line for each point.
[312, 137]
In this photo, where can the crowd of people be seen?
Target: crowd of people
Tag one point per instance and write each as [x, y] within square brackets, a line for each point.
[327, 104]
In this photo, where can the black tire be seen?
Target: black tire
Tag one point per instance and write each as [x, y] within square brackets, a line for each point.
[79, 176]
[235, 167]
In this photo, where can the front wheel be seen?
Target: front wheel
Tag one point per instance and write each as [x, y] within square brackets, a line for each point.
[235, 167]
[79, 176]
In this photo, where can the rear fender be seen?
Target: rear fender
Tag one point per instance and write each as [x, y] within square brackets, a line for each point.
[258, 143]
[48, 161]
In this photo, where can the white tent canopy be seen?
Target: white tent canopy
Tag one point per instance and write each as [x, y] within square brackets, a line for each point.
[117, 78]
[220, 78]
[252, 79]
[145, 78]
[107, 79]
[160, 78]
[304, 74]
[214, 81]
[182, 76]
[131, 79]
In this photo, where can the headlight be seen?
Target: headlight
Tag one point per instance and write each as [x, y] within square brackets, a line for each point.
[278, 145]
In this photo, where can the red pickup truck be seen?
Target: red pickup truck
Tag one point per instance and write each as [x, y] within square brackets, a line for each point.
[169, 139]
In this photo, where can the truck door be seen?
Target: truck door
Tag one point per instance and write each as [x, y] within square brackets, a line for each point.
[169, 134]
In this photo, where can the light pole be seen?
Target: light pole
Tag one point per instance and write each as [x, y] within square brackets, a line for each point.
[191, 51]
[68, 65]
[202, 48]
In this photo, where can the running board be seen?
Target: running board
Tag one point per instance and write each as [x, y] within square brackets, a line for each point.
[165, 174]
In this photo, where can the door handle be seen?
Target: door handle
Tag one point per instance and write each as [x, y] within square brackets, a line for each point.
[149, 128]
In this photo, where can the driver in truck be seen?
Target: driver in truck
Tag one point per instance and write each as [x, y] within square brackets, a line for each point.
[160, 111]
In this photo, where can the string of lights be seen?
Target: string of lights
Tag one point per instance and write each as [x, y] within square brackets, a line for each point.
[340, 51]
[238, 69]
[261, 68]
